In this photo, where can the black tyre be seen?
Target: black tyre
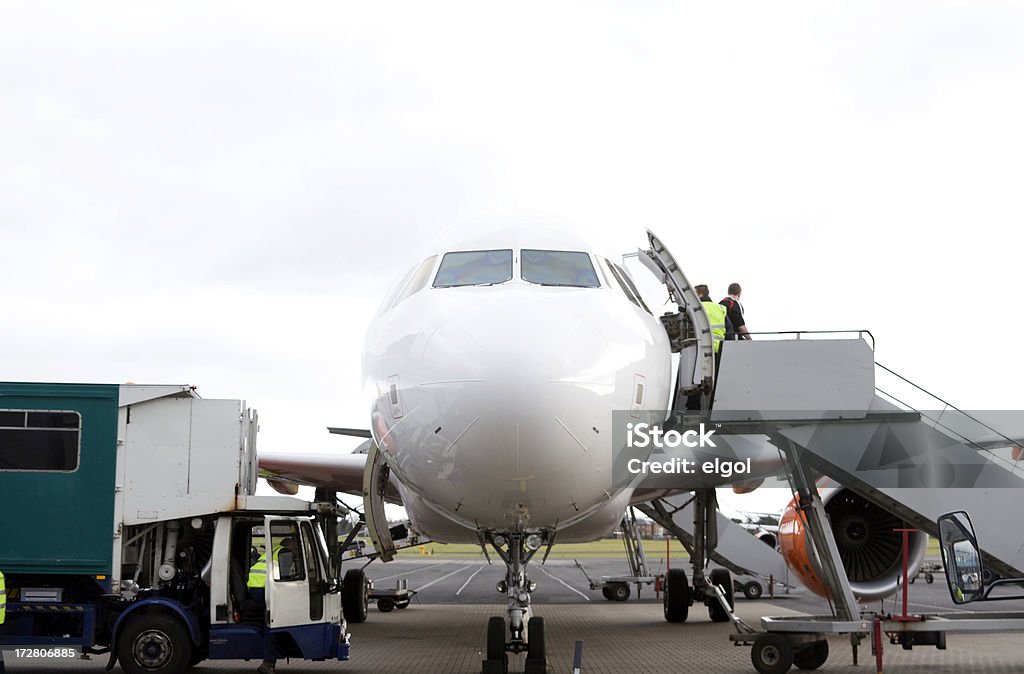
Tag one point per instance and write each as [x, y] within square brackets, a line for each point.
[723, 578]
[606, 592]
[619, 591]
[496, 644]
[753, 590]
[929, 578]
[676, 601]
[355, 596]
[771, 654]
[401, 604]
[536, 648]
[198, 655]
[385, 604]
[812, 656]
[154, 643]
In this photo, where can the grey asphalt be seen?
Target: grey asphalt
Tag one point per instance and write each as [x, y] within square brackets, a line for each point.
[443, 630]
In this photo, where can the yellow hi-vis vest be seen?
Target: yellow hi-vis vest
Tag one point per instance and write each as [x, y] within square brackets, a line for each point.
[3, 599]
[258, 571]
[716, 315]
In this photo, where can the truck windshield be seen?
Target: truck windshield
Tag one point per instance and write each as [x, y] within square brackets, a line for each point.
[558, 268]
[473, 268]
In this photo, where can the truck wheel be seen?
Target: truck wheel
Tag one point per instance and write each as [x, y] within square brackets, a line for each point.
[676, 602]
[197, 657]
[753, 590]
[929, 578]
[385, 604]
[153, 642]
[354, 596]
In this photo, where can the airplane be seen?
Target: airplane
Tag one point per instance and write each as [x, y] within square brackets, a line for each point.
[495, 371]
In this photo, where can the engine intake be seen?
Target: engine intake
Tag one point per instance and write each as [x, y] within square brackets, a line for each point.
[870, 549]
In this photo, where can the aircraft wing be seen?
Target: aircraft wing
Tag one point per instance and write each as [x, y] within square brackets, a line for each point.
[330, 470]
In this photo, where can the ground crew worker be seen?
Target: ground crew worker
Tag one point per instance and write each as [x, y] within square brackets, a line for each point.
[3, 616]
[717, 315]
[284, 556]
[719, 320]
[734, 310]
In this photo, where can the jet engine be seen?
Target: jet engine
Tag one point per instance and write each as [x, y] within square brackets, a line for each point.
[872, 553]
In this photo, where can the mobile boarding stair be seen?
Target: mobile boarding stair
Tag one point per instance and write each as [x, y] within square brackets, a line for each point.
[816, 401]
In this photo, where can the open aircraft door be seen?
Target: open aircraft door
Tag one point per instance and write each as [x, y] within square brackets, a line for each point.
[689, 330]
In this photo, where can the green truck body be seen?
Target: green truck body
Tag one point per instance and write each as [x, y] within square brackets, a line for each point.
[54, 473]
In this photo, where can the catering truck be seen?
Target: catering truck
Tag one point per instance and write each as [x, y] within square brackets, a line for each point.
[129, 524]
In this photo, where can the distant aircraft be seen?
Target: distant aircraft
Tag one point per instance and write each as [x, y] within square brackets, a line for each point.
[493, 370]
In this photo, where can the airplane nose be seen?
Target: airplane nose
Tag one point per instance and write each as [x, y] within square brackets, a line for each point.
[529, 410]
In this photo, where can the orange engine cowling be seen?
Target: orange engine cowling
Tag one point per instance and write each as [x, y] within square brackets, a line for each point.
[871, 551]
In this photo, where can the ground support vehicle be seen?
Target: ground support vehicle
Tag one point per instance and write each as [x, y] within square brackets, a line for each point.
[130, 524]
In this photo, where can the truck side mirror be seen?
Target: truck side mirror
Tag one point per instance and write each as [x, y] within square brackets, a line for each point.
[961, 557]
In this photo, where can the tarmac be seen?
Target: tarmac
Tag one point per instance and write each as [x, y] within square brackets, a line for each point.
[443, 630]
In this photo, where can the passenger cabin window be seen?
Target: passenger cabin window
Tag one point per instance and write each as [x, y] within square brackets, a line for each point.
[474, 268]
[36, 440]
[558, 268]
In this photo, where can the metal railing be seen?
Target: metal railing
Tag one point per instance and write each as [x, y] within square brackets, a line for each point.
[802, 334]
[1000, 438]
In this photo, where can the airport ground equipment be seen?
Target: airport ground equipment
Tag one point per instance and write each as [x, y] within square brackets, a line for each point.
[391, 598]
[801, 640]
[616, 588]
[735, 549]
[131, 523]
[927, 572]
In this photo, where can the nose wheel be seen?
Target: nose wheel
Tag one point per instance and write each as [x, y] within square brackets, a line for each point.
[497, 658]
[525, 633]
[497, 648]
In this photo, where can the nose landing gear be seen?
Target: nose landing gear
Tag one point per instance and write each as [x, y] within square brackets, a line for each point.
[526, 633]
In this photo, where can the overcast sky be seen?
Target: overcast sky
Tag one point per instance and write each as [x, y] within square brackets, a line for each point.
[219, 194]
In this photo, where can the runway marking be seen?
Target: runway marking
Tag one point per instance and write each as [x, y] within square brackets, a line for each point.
[406, 573]
[544, 571]
[469, 579]
[438, 580]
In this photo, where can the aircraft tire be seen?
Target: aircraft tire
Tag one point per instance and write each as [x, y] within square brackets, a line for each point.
[676, 599]
[723, 578]
[355, 596]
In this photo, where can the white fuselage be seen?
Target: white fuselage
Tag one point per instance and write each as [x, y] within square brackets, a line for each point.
[493, 402]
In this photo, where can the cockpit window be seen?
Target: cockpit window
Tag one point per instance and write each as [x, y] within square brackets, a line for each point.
[626, 284]
[417, 281]
[558, 268]
[474, 267]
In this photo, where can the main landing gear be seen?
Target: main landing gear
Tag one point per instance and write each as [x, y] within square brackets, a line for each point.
[524, 633]
[679, 595]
